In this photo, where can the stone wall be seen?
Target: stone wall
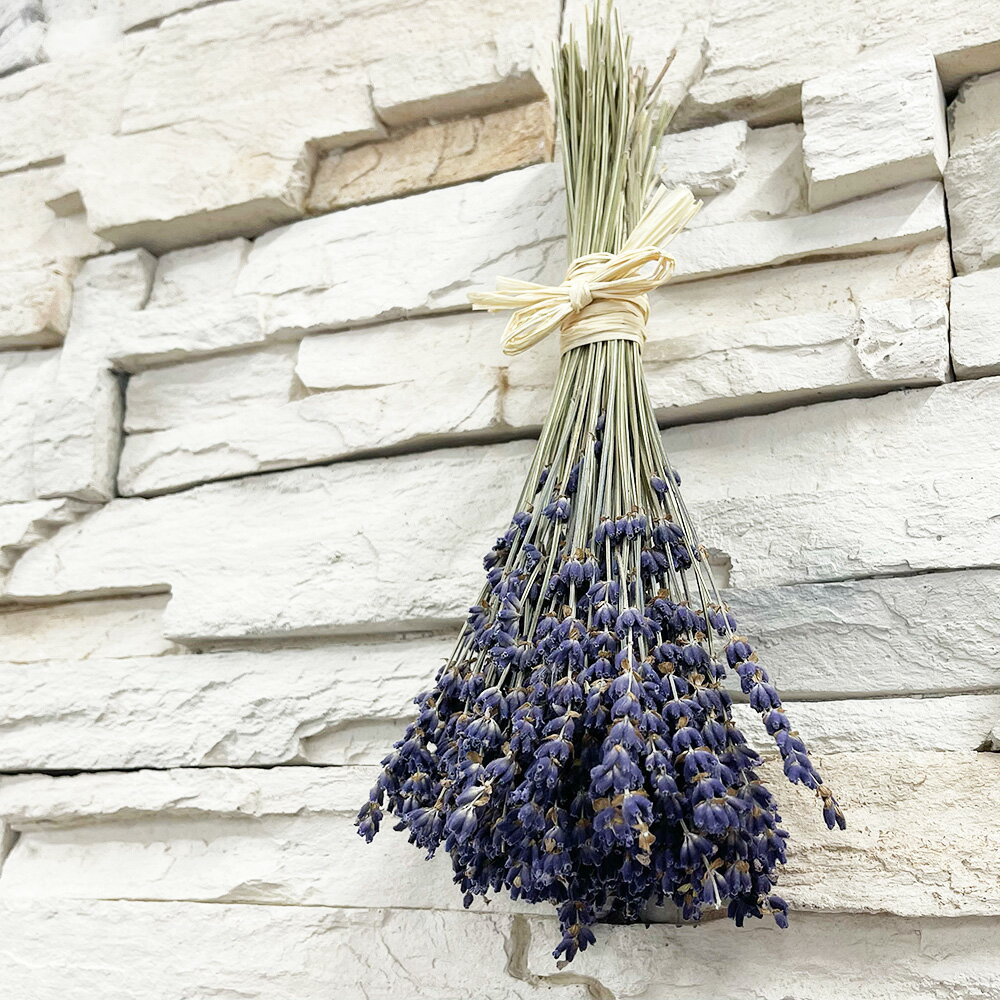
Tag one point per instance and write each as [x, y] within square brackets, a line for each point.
[254, 444]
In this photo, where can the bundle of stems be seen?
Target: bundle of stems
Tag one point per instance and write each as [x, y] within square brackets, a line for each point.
[578, 746]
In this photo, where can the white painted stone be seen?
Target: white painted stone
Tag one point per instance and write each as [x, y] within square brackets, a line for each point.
[22, 33]
[383, 386]
[32, 227]
[139, 192]
[973, 116]
[439, 378]
[790, 497]
[819, 957]
[931, 632]
[893, 220]
[36, 301]
[200, 392]
[505, 60]
[904, 341]
[772, 186]
[871, 125]
[975, 324]
[113, 629]
[204, 272]
[24, 379]
[331, 704]
[961, 722]
[78, 423]
[707, 160]
[970, 176]
[759, 53]
[179, 333]
[922, 840]
[23, 525]
[46, 109]
[412, 255]
[341, 704]
[130, 950]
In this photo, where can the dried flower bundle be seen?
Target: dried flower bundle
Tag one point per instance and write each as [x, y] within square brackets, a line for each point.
[578, 746]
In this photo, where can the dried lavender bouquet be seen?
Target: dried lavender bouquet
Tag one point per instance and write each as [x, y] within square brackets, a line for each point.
[578, 747]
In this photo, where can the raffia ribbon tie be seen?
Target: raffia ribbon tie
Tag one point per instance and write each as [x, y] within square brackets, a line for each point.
[603, 296]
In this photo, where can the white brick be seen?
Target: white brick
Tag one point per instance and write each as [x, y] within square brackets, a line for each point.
[970, 176]
[791, 497]
[382, 386]
[23, 525]
[111, 629]
[893, 220]
[932, 632]
[78, 423]
[137, 196]
[760, 52]
[200, 392]
[32, 227]
[129, 950]
[330, 704]
[24, 378]
[973, 115]
[388, 384]
[36, 296]
[504, 60]
[819, 957]
[46, 109]
[773, 184]
[707, 160]
[21, 35]
[197, 272]
[411, 255]
[345, 704]
[871, 125]
[975, 327]
[922, 839]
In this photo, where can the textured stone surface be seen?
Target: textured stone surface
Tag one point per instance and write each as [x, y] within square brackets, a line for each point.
[439, 378]
[331, 704]
[23, 525]
[772, 185]
[346, 703]
[707, 160]
[21, 35]
[790, 497]
[871, 125]
[312, 953]
[847, 957]
[33, 227]
[319, 953]
[111, 629]
[970, 176]
[890, 221]
[922, 840]
[433, 155]
[975, 329]
[46, 109]
[24, 378]
[381, 387]
[202, 391]
[760, 52]
[430, 250]
[196, 92]
[36, 296]
[934, 632]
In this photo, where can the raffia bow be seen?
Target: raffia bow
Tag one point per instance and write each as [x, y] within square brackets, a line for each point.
[603, 296]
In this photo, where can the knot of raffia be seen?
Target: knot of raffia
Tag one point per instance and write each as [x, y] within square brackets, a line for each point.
[603, 296]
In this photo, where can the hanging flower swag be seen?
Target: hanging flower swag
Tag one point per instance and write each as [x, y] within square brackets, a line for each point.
[578, 746]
